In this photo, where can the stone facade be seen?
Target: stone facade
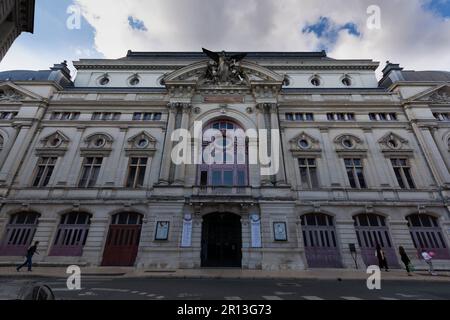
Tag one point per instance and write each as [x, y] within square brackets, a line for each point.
[351, 147]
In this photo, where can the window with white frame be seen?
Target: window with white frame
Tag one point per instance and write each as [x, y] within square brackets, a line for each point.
[355, 173]
[383, 116]
[65, 116]
[90, 172]
[339, 116]
[308, 173]
[403, 174]
[44, 171]
[442, 116]
[106, 116]
[299, 116]
[8, 115]
[147, 116]
[136, 172]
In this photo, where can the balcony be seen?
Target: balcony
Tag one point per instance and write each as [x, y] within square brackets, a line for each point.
[217, 191]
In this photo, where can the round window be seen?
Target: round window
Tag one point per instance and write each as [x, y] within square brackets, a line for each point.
[303, 143]
[392, 144]
[55, 142]
[347, 82]
[347, 143]
[104, 81]
[134, 81]
[315, 82]
[142, 143]
[99, 142]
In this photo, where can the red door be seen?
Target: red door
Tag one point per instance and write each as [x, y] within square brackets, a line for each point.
[371, 229]
[319, 238]
[122, 243]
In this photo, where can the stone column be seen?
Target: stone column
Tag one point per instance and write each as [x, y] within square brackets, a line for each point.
[331, 159]
[44, 234]
[95, 242]
[280, 176]
[15, 155]
[433, 156]
[167, 152]
[260, 111]
[381, 173]
[180, 170]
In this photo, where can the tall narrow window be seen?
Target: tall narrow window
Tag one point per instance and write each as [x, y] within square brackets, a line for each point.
[136, 172]
[90, 172]
[44, 171]
[308, 173]
[355, 173]
[403, 173]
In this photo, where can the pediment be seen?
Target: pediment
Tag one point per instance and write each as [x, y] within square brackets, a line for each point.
[348, 142]
[194, 72]
[439, 94]
[12, 93]
[51, 139]
[393, 142]
[304, 142]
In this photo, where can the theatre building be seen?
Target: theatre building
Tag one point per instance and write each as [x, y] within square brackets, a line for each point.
[86, 164]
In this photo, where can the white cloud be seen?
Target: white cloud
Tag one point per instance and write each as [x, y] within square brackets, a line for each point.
[409, 35]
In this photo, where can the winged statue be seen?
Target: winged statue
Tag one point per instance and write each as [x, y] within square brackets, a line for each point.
[224, 68]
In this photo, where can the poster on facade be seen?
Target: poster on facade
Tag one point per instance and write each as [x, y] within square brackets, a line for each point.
[186, 237]
[256, 231]
[280, 231]
[162, 230]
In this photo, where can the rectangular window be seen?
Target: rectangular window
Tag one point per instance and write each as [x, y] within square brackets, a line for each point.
[383, 116]
[403, 173]
[44, 171]
[96, 116]
[204, 178]
[90, 171]
[136, 172]
[157, 116]
[340, 116]
[355, 173]
[308, 173]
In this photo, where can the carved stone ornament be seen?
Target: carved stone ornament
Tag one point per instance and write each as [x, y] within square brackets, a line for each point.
[224, 69]
[440, 97]
[10, 95]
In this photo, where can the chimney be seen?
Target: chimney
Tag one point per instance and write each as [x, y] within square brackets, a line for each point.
[391, 67]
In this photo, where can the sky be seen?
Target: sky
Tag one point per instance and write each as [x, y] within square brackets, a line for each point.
[414, 33]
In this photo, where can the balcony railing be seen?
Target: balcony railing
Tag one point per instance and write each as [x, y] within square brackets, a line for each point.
[222, 190]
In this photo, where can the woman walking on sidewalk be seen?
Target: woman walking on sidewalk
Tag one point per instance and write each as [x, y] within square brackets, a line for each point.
[382, 262]
[405, 259]
[30, 253]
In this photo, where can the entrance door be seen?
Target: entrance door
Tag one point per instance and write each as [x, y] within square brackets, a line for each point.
[123, 239]
[319, 237]
[371, 229]
[222, 241]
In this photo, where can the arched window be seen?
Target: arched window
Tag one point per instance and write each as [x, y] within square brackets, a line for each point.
[19, 234]
[427, 235]
[71, 235]
[228, 164]
[371, 229]
[320, 241]
[127, 219]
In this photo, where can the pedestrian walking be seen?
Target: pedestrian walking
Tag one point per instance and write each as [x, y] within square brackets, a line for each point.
[429, 261]
[405, 259]
[29, 257]
[382, 261]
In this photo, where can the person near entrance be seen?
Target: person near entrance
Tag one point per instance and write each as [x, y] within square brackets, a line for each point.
[29, 257]
[429, 261]
[382, 261]
[405, 259]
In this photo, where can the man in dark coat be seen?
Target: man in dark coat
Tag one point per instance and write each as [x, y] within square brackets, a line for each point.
[30, 253]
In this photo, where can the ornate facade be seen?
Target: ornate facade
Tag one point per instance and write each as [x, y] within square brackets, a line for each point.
[16, 16]
[86, 166]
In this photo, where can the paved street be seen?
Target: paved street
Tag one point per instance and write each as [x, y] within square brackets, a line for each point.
[120, 288]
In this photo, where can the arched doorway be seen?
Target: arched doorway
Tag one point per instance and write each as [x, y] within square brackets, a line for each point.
[426, 234]
[221, 241]
[371, 229]
[122, 243]
[319, 238]
[229, 164]
[71, 235]
[19, 234]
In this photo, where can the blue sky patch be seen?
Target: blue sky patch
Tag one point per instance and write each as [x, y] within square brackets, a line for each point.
[439, 7]
[136, 24]
[328, 31]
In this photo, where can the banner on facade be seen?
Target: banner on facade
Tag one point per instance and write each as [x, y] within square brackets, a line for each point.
[255, 220]
[186, 237]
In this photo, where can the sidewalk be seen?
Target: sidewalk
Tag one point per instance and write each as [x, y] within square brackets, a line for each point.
[315, 274]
